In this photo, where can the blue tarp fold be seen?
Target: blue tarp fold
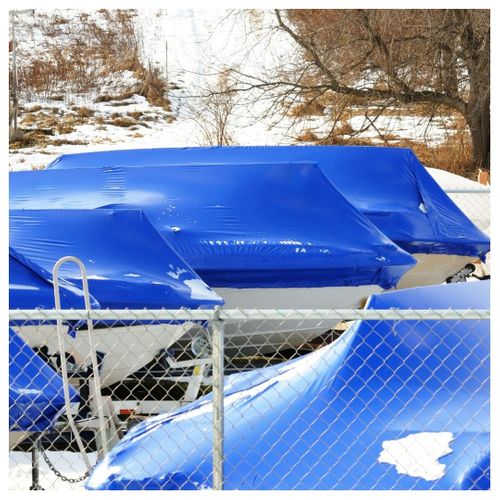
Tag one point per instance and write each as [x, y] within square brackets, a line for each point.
[128, 263]
[321, 421]
[30, 287]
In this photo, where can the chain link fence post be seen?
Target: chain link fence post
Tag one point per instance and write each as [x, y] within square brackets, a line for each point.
[217, 327]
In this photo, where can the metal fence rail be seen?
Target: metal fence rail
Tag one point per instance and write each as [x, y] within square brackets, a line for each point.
[262, 399]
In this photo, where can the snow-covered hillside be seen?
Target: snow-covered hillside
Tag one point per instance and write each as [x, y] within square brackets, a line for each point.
[201, 44]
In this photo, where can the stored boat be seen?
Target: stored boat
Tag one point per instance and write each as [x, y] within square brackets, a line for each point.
[262, 236]
[388, 405]
[389, 185]
[473, 199]
[129, 265]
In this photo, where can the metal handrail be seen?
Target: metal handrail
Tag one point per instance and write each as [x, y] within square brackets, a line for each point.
[93, 355]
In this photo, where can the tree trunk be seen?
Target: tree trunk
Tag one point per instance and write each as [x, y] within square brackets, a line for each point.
[478, 120]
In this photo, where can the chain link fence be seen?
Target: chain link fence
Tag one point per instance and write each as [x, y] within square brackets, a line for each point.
[268, 399]
[475, 204]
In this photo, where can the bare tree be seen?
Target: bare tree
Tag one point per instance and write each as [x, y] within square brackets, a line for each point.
[436, 57]
[212, 111]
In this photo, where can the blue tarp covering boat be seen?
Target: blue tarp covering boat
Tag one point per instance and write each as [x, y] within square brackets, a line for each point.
[262, 225]
[36, 395]
[30, 287]
[323, 421]
[127, 261]
[389, 185]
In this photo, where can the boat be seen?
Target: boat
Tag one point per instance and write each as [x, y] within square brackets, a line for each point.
[36, 395]
[473, 199]
[389, 405]
[389, 185]
[129, 265]
[262, 236]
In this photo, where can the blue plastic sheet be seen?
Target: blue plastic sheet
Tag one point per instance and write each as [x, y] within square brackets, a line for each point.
[36, 395]
[128, 263]
[30, 287]
[261, 225]
[389, 185]
[320, 421]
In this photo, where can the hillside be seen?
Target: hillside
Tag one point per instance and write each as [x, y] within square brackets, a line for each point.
[91, 80]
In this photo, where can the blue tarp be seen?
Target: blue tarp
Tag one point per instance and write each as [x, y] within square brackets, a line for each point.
[128, 263]
[389, 185]
[262, 225]
[36, 395]
[320, 421]
[31, 287]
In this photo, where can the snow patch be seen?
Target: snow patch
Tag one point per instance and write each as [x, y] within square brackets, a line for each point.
[417, 455]
[199, 289]
[176, 273]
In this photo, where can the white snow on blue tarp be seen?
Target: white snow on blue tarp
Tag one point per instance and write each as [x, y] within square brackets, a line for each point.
[36, 395]
[320, 421]
[389, 185]
[260, 225]
[128, 263]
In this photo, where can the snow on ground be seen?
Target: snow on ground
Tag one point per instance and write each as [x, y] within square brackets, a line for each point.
[415, 128]
[200, 43]
[68, 463]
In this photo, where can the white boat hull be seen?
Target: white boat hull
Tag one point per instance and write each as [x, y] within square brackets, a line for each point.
[254, 336]
[17, 437]
[433, 269]
[126, 349]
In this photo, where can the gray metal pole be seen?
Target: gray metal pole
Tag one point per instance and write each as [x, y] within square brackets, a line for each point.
[35, 467]
[218, 403]
[14, 73]
[166, 67]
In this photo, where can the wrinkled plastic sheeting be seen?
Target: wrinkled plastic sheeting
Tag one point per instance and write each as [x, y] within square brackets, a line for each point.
[36, 396]
[389, 185]
[320, 421]
[261, 225]
[31, 287]
[128, 263]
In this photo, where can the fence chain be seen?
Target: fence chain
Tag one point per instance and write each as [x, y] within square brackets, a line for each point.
[60, 475]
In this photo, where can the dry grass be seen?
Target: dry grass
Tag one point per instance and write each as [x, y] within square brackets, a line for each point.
[122, 121]
[307, 136]
[119, 97]
[83, 112]
[344, 128]
[136, 115]
[311, 108]
[74, 54]
[153, 88]
[454, 155]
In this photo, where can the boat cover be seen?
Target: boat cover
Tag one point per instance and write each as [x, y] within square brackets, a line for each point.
[389, 185]
[260, 225]
[30, 287]
[128, 263]
[322, 421]
[36, 395]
